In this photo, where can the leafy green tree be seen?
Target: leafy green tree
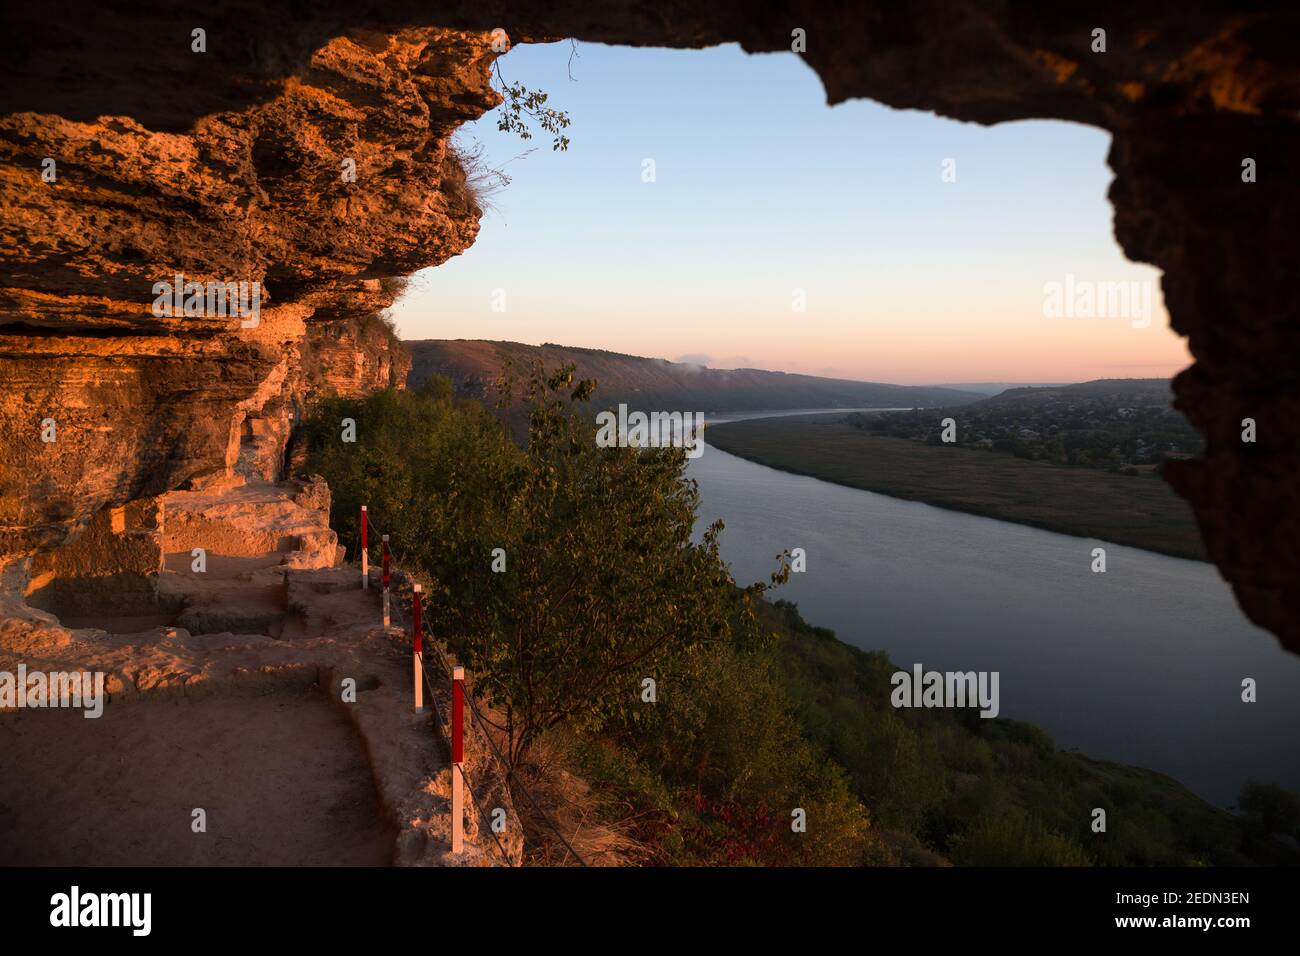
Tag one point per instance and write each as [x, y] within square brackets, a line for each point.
[602, 582]
[429, 468]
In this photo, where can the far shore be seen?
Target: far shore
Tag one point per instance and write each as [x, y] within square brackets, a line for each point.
[1140, 512]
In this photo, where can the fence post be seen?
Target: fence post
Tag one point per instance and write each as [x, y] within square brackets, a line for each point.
[365, 550]
[457, 759]
[416, 647]
[386, 617]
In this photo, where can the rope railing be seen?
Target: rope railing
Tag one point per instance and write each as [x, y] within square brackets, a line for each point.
[422, 679]
[452, 735]
[469, 785]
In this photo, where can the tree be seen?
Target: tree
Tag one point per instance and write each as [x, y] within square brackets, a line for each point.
[427, 466]
[603, 582]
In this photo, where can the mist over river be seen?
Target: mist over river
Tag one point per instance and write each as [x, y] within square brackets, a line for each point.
[1142, 664]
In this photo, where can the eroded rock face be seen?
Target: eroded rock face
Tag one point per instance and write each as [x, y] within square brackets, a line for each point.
[110, 567]
[141, 403]
[228, 169]
[350, 357]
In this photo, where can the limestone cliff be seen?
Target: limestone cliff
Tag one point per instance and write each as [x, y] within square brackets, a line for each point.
[106, 401]
[351, 356]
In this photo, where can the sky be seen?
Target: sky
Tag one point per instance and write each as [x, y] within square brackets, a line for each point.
[764, 199]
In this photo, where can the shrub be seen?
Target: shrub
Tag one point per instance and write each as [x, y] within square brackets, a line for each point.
[1013, 841]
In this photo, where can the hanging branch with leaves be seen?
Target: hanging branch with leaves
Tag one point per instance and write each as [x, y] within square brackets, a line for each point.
[524, 107]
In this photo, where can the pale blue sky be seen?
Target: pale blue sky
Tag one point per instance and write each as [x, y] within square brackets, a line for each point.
[761, 189]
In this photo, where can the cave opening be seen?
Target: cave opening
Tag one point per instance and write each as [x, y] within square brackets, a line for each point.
[861, 242]
[766, 237]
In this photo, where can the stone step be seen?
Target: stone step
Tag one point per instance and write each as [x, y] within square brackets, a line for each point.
[289, 520]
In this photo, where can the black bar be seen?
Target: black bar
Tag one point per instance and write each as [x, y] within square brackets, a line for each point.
[619, 906]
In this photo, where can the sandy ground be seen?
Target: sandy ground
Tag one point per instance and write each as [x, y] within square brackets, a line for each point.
[282, 777]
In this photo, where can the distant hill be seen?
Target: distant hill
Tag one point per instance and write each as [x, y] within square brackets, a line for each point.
[652, 384]
[995, 388]
[1153, 394]
[1137, 392]
[1125, 425]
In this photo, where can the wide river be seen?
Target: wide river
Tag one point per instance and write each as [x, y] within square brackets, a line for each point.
[1142, 664]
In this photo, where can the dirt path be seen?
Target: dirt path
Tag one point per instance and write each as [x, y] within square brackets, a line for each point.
[282, 777]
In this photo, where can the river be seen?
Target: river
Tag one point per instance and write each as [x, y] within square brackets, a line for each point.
[1142, 664]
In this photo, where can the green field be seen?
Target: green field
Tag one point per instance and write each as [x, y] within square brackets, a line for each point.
[1142, 512]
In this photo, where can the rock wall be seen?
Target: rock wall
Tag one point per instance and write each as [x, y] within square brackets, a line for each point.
[225, 164]
[352, 356]
[140, 403]
[109, 568]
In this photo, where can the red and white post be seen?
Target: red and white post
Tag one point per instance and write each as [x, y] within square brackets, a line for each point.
[365, 549]
[386, 613]
[417, 646]
[457, 759]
